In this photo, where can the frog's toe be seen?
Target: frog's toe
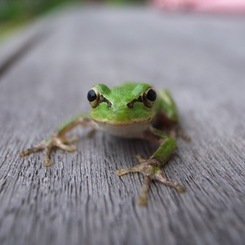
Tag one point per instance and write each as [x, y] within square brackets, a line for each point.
[160, 176]
[140, 159]
[31, 150]
[65, 147]
[71, 140]
[179, 132]
[124, 171]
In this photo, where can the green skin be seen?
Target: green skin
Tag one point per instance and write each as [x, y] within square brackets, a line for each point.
[125, 111]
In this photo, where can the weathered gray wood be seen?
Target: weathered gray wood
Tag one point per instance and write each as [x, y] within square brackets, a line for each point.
[79, 200]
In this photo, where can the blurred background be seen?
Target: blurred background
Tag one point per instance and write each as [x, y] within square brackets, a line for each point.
[25, 9]
[16, 12]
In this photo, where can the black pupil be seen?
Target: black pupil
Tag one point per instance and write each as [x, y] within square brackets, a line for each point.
[151, 95]
[91, 95]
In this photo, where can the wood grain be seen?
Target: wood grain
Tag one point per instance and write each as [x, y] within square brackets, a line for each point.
[80, 200]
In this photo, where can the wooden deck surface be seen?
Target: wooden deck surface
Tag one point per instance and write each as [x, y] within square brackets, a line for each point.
[44, 78]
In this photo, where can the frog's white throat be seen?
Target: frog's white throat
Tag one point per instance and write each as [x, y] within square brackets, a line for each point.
[132, 129]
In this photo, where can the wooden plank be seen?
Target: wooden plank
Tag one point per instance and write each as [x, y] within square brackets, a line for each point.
[79, 200]
[20, 42]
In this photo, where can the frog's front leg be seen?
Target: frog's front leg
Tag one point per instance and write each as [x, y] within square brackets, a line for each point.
[58, 140]
[151, 168]
[167, 115]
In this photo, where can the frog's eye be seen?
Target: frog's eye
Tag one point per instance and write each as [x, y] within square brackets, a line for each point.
[93, 97]
[149, 97]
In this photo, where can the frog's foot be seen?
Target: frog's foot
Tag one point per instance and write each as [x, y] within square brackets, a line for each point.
[55, 142]
[151, 171]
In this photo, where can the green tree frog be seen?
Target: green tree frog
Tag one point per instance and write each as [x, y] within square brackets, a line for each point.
[132, 110]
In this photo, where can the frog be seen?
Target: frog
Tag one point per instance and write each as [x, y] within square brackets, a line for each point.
[133, 110]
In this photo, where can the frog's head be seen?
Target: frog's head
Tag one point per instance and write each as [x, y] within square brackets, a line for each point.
[131, 102]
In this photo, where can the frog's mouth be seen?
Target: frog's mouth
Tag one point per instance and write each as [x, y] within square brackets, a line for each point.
[119, 124]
